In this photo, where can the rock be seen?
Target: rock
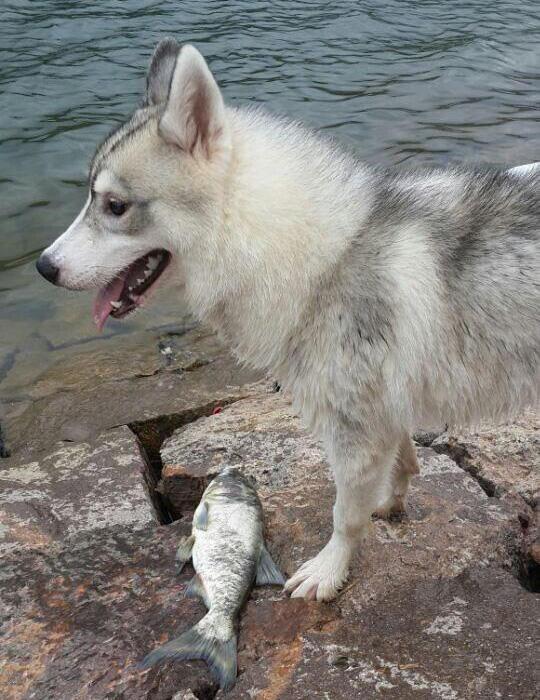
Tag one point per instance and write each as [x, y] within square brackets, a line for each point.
[450, 638]
[4, 452]
[426, 437]
[504, 459]
[74, 490]
[76, 620]
[530, 559]
[434, 607]
[87, 578]
[66, 365]
[261, 435]
[426, 611]
[169, 381]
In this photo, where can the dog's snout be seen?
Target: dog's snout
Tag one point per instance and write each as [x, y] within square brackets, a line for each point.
[47, 268]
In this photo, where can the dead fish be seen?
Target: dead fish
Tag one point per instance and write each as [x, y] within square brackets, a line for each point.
[229, 556]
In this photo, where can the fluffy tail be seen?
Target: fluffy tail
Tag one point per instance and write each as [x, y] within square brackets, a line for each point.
[199, 643]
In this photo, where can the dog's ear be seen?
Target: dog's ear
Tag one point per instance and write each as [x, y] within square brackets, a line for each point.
[194, 118]
[160, 71]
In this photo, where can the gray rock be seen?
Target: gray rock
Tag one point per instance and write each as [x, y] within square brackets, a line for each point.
[76, 489]
[434, 607]
[84, 394]
[505, 458]
[426, 611]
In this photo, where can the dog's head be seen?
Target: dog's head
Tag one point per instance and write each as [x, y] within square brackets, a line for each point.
[155, 186]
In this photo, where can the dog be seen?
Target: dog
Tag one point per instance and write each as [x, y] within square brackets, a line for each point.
[382, 300]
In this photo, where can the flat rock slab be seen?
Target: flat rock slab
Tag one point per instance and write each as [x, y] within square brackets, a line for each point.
[75, 490]
[459, 638]
[171, 378]
[432, 609]
[506, 462]
[76, 620]
[505, 458]
[87, 578]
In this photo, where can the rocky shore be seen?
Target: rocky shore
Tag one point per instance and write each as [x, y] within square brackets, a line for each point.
[110, 452]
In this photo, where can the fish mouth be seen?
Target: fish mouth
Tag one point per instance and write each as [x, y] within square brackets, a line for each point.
[129, 288]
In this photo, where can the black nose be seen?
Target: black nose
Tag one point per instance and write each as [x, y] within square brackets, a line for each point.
[47, 268]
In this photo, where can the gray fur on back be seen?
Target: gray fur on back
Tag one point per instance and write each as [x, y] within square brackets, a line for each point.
[467, 346]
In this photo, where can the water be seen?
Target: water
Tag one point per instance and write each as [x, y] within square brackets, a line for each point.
[423, 82]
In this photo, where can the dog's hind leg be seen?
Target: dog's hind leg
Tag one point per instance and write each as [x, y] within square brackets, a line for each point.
[405, 467]
[361, 467]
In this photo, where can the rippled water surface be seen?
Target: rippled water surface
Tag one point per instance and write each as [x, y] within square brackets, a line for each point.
[402, 82]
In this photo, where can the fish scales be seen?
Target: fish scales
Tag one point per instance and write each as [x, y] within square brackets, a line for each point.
[229, 555]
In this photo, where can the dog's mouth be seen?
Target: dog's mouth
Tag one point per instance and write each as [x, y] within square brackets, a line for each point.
[129, 288]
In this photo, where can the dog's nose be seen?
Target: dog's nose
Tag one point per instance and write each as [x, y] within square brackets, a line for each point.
[47, 268]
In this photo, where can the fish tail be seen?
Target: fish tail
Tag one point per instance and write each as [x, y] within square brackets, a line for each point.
[199, 643]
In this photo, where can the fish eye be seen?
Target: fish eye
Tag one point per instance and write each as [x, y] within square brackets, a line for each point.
[116, 206]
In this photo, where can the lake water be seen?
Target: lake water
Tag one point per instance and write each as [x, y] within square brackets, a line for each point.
[424, 82]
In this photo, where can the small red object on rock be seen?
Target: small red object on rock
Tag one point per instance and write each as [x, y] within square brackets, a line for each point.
[217, 410]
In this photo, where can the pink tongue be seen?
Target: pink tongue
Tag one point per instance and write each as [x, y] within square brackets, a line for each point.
[102, 304]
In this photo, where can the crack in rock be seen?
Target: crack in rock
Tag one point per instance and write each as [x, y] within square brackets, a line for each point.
[526, 565]
[4, 452]
[151, 434]
[459, 454]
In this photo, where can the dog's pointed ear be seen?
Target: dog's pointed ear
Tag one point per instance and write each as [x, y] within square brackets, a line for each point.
[194, 118]
[160, 71]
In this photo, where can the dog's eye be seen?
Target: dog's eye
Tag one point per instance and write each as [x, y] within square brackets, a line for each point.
[117, 207]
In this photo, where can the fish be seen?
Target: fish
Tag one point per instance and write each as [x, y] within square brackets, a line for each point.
[229, 556]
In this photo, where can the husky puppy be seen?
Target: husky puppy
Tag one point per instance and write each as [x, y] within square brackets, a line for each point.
[382, 300]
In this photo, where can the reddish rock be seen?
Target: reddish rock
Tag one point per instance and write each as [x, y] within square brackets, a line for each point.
[427, 612]
[505, 459]
[434, 607]
[87, 578]
[77, 619]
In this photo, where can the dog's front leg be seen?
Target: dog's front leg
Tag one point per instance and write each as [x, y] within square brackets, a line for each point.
[361, 471]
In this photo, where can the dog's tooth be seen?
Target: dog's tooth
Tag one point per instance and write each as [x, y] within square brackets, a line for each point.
[140, 280]
[115, 304]
[152, 263]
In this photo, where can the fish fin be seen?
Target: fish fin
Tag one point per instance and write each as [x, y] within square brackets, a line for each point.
[196, 589]
[194, 644]
[183, 553]
[200, 518]
[267, 571]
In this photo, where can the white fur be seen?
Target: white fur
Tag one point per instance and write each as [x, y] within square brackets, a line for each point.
[276, 212]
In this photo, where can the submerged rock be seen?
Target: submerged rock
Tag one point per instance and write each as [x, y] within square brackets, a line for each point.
[104, 387]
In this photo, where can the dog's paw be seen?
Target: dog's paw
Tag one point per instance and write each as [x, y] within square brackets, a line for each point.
[322, 577]
[394, 509]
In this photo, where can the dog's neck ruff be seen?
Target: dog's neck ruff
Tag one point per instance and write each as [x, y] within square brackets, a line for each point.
[284, 228]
